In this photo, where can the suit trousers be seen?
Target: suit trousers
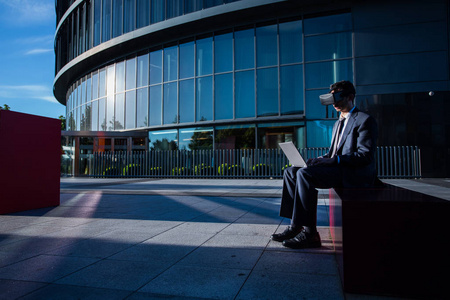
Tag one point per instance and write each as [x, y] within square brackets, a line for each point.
[299, 195]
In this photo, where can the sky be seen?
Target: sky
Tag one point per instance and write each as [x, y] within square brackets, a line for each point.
[27, 59]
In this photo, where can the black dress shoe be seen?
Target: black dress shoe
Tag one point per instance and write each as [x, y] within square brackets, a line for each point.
[304, 240]
[288, 233]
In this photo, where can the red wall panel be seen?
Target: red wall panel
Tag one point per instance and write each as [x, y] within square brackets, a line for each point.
[30, 155]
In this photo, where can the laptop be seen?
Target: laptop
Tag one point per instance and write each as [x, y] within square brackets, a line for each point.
[295, 158]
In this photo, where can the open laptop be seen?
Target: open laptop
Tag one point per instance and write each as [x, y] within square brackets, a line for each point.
[295, 158]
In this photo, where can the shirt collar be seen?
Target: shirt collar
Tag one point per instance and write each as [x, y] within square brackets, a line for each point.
[349, 113]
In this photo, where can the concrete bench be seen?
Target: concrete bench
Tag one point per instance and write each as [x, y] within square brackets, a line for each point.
[391, 241]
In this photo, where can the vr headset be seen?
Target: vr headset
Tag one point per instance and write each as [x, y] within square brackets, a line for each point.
[331, 98]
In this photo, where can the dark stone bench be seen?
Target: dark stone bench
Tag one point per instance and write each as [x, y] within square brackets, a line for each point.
[391, 241]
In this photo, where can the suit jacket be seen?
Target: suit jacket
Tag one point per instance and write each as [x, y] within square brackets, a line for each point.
[357, 150]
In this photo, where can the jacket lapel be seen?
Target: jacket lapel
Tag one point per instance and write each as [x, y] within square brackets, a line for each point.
[349, 127]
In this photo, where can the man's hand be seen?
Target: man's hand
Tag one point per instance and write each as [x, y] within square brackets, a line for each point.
[321, 161]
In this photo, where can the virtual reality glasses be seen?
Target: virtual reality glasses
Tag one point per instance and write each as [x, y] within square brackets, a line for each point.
[330, 98]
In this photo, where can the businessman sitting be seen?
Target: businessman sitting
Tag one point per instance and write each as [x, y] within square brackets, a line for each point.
[350, 162]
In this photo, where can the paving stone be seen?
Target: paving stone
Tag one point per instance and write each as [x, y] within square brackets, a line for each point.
[113, 274]
[201, 282]
[69, 292]
[44, 268]
[13, 289]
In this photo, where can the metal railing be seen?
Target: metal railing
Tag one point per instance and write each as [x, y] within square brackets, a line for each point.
[392, 162]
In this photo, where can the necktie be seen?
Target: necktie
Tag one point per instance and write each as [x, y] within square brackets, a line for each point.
[338, 134]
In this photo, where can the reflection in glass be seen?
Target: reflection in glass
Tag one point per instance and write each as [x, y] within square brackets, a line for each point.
[223, 53]
[143, 13]
[321, 75]
[267, 92]
[170, 103]
[174, 8]
[187, 60]
[196, 138]
[291, 90]
[156, 67]
[290, 42]
[142, 108]
[318, 133]
[130, 109]
[102, 114]
[187, 101]
[97, 11]
[317, 47]
[192, 5]
[163, 140]
[245, 94]
[95, 85]
[88, 89]
[94, 121]
[110, 80]
[244, 49]
[235, 137]
[106, 20]
[120, 77]
[170, 63]
[315, 110]
[204, 99]
[270, 135]
[117, 122]
[204, 56]
[223, 95]
[266, 46]
[155, 105]
[142, 70]
[130, 16]
[131, 74]
[102, 83]
[157, 10]
[117, 18]
[327, 24]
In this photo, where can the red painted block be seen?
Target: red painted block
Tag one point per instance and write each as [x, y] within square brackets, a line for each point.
[30, 159]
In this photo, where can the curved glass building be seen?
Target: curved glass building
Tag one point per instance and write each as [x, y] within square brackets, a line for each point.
[223, 74]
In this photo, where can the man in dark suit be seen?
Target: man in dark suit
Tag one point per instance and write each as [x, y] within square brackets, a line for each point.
[350, 162]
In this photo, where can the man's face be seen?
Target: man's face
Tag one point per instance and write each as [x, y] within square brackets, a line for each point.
[343, 104]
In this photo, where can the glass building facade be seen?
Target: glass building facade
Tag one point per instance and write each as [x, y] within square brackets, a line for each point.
[242, 74]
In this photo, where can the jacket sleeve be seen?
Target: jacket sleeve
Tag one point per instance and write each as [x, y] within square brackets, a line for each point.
[362, 148]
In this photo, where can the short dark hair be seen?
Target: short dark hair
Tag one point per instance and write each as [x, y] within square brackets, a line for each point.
[344, 85]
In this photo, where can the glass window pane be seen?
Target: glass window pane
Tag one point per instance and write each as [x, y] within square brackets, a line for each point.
[328, 46]
[244, 49]
[266, 46]
[143, 13]
[155, 105]
[204, 56]
[321, 75]
[130, 106]
[110, 112]
[142, 70]
[187, 60]
[110, 80]
[156, 67]
[290, 42]
[117, 18]
[131, 74]
[83, 92]
[94, 120]
[120, 77]
[157, 11]
[318, 133]
[236, 137]
[267, 92]
[97, 11]
[95, 85]
[102, 114]
[314, 109]
[170, 103]
[163, 140]
[142, 108]
[129, 15]
[245, 94]
[192, 5]
[223, 95]
[223, 53]
[187, 101]
[106, 20]
[204, 99]
[211, 3]
[326, 24]
[102, 83]
[119, 118]
[174, 8]
[88, 117]
[170, 63]
[88, 89]
[196, 139]
[291, 91]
